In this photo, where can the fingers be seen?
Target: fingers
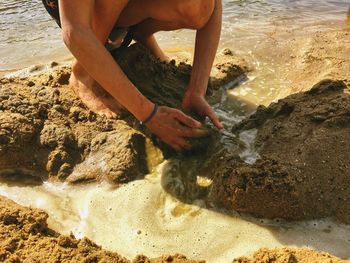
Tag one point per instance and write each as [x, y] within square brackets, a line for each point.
[183, 144]
[180, 145]
[176, 147]
[186, 120]
[184, 131]
[214, 119]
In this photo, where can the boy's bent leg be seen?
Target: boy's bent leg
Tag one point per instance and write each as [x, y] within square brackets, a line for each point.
[152, 16]
[157, 15]
[92, 94]
[192, 14]
[86, 88]
[144, 34]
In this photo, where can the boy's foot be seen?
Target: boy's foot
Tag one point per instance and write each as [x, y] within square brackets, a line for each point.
[152, 45]
[92, 94]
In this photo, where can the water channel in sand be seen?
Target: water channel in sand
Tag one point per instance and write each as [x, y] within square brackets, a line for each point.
[141, 217]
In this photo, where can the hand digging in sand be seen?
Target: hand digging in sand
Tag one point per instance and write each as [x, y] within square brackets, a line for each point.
[102, 85]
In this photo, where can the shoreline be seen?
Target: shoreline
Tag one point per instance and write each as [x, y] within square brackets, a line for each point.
[37, 68]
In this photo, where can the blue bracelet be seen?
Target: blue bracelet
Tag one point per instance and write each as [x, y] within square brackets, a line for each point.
[154, 112]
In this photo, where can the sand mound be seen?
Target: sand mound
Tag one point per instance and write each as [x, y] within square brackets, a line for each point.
[45, 130]
[165, 83]
[303, 172]
[285, 255]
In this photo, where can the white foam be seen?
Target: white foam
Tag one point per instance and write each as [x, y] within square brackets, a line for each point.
[141, 217]
[249, 154]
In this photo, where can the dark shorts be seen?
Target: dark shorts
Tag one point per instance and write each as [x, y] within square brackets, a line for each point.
[52, 8]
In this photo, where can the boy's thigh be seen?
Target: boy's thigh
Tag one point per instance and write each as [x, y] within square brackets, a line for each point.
[137, 11]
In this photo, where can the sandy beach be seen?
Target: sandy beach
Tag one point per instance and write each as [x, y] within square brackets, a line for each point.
[47, 134]
[271, 187]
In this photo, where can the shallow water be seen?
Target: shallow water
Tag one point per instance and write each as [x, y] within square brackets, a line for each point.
[29, 36]
[154, 222]
[257, 30]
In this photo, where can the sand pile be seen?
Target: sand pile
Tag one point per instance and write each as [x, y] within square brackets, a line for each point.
[288, 255]
[45, 130]
[304, 169]
[302, 141]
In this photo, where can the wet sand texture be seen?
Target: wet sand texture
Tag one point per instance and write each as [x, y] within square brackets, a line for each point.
[319, 56]
[166, 83]
[47, 132]
[287, 255]
[303, 172]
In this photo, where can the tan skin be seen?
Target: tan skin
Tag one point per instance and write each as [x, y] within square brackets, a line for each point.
[86, 26]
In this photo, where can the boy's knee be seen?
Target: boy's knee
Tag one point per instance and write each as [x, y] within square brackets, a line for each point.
[196, 13]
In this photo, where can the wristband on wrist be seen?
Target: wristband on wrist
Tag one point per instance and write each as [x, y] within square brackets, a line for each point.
[154, 112]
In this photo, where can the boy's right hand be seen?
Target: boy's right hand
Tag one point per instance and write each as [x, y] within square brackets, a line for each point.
[172, 126]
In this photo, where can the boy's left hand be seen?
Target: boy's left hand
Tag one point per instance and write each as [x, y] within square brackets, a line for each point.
[198, 104]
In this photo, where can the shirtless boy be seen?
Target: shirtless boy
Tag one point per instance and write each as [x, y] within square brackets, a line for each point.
[86, 26]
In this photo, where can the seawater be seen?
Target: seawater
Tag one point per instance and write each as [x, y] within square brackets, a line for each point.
[29, 36]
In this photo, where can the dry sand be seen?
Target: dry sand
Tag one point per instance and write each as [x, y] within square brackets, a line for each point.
[48, 134]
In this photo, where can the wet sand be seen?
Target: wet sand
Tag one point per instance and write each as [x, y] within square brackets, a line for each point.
[47, 134]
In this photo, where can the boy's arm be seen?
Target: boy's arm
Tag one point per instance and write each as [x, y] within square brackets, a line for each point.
[92, 55]
[170, 125]
[207, 40]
